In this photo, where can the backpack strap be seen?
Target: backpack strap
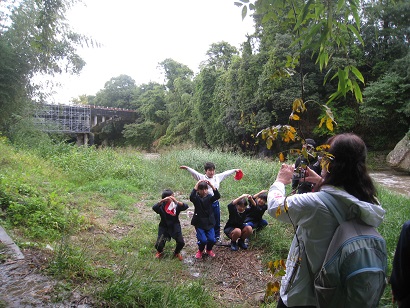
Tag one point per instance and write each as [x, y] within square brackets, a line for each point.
[332, 204]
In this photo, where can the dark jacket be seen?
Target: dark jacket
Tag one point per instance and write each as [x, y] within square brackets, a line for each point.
[256, 212]
[204, 217]
[236, 219]
[169, 223]
[400, 276]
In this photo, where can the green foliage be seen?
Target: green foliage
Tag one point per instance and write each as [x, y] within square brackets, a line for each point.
[40, 210]
[140, 135]
[114, 190]
[72, 263]
[118, 92]
[133, 288]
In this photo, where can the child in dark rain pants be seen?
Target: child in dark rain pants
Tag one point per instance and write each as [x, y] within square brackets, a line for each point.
[169, 227]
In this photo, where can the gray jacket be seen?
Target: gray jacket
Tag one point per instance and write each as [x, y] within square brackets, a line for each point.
[315, 228]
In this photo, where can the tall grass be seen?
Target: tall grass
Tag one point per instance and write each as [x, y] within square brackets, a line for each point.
[98, 205]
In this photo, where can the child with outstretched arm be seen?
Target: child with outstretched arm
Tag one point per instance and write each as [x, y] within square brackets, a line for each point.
[215, 179]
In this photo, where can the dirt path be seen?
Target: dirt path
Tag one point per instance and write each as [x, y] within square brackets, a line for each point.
[236, 278]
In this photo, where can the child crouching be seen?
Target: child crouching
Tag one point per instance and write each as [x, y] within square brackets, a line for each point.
[236, 228]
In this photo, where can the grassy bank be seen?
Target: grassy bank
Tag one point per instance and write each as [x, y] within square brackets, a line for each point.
[93, 206]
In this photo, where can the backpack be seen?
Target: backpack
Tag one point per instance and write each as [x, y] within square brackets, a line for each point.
[353, 273]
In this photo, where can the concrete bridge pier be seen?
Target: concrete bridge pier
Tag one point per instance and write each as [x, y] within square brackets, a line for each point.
[82, 139]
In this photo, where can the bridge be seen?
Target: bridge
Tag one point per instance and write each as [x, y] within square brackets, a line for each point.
[77, 119]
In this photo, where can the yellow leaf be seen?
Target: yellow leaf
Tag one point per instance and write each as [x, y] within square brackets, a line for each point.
[269, 143]
[285, 206]
[322, 120]
[329, 124]
[278, 211]
[272, 288]
[294, 117]
[281, 157]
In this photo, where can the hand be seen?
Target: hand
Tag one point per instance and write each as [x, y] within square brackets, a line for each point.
[183, 167]
[311, 176]
[209, 184]
[285, 174]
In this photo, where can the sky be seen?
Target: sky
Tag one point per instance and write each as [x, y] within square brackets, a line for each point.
[138, 34]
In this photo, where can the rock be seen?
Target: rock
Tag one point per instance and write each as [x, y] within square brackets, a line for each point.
[399, 158]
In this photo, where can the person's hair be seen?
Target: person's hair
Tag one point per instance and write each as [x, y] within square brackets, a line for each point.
[263, 196]
[202, 185]
[348, 168]
[310, 142]
[242, 201]
[209, 166]
[167, 193]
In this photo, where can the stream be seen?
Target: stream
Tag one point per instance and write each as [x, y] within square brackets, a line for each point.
[393, 180]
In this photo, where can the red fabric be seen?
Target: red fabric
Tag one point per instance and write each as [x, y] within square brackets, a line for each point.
[238, 175]
[171, 211]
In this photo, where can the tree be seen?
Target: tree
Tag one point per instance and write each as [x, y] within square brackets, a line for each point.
[35, 39]
[173, 70]
[118, 92]
[220, 55]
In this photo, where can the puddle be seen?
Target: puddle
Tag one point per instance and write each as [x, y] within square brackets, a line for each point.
[23, 285]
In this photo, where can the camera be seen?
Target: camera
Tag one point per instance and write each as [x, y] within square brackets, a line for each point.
[299, 171]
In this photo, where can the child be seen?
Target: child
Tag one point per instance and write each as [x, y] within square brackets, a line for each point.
[216, 180]
[255, 213]
[204, 218]
[235, 227]
[169, 208]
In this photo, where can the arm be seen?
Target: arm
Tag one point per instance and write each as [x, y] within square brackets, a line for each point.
[259, 193]
[222, 176]
[195, 174]
[156, 207]
[181, 204]
[247, 196]
[276, 194]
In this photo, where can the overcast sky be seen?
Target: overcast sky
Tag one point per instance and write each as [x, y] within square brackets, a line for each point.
[138, 34]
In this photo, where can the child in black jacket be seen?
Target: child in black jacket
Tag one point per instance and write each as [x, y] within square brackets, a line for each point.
[254, 217]
[169, 227]
[204, 217]
[236, 228]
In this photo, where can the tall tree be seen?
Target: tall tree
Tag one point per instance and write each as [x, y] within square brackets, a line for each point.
[35, 39]
[173, 70]
[220, 55]
[118, 92]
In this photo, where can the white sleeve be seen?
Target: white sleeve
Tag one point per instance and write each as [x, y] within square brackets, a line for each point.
[222, 176]
[276, 202]
[195, 174]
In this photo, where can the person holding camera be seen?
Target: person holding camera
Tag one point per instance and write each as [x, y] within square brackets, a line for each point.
[301, 165]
